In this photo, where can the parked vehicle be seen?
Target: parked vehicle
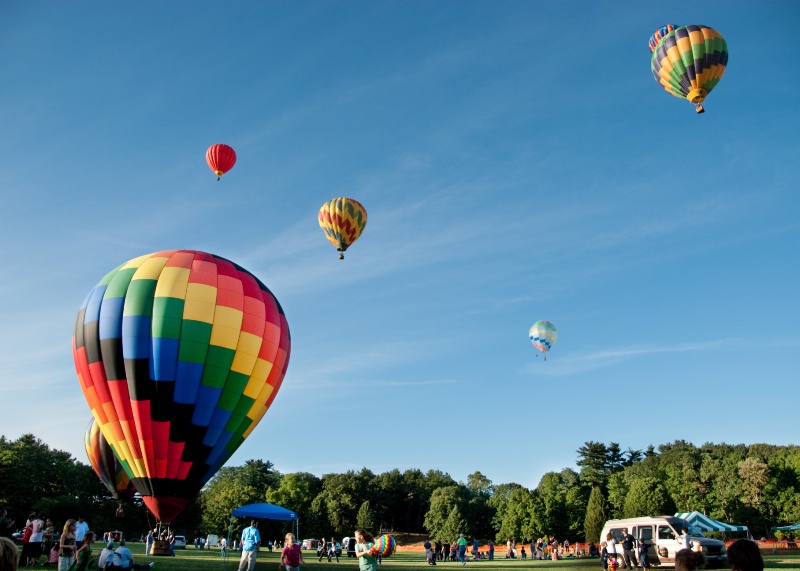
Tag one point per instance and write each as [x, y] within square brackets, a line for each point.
[349, 545]
[180, 542]
[310, 543]
[662, 535]
[212, 541]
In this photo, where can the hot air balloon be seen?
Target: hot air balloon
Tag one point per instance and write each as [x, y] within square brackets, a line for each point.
[543, 336]
[688, 61]
[220, 159]
[342, 220]
[106, 466]
[179, 354]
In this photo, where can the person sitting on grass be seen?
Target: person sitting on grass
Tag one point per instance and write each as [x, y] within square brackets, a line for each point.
[123, 558]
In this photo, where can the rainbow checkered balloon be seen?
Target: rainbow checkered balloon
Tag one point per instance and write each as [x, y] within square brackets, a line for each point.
[179, 354]
[385, 546]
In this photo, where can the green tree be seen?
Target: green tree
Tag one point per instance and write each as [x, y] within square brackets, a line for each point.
[552, 492]
[754, 474]
[596, 515]
[499, 504]
[681, 462]
[441, 506]
[454, 525]
[593, 462]
[516, 523]
[295, 491]
[33, 476]
[617, 492]
[364, 517]
[233, 487]
[647, 497]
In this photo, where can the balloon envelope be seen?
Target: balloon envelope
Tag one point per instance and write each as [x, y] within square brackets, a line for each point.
[543, 335]
[179, 354]
[106, 465]
[342, 220]
[220, 159]
[688, 61]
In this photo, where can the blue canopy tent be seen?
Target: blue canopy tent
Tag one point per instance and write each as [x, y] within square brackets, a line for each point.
[268, 511]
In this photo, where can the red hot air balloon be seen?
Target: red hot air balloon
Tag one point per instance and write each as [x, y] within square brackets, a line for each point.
[220, 158]
[179, 354]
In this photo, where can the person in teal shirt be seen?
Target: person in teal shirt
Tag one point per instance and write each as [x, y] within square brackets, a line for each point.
[365, 551]
[462, 549]
[251, 541]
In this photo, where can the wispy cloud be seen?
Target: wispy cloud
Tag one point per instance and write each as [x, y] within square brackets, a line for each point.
[572, 364]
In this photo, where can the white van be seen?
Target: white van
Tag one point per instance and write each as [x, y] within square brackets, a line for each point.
[662, 535]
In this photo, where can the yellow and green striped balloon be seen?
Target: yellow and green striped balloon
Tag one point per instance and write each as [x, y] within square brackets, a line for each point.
[342, 220]
[688, 61]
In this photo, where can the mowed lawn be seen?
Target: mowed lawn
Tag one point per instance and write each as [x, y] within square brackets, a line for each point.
[210, 560]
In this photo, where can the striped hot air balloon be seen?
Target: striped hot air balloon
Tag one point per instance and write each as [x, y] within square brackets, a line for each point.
[106, 465]
[688, 61]
[179, 354]
[543, 336]
[220, 159]
[342, 220]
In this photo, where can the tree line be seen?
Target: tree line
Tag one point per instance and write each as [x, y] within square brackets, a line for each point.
[756, 485]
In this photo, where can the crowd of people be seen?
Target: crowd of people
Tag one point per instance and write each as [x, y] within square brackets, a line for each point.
[71, 549]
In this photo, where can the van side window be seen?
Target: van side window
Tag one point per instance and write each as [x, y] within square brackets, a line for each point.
[665, 532]
[617, 533]
[645, 533]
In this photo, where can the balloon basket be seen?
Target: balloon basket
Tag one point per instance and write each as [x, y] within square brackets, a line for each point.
[160, 548]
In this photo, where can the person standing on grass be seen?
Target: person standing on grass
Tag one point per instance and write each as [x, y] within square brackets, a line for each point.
[628, 545]
[365, 551]
[251, 541]
[81, 527]
[332, 551]
[291, 556]
[462, 549]
[491, 550]
[66, 546]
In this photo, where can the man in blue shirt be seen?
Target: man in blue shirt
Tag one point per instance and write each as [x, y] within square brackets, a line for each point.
[251, 541]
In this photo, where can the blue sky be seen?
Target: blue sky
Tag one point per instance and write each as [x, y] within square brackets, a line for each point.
[518, 162]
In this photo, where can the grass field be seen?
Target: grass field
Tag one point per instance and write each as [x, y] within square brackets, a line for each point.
[192, 559]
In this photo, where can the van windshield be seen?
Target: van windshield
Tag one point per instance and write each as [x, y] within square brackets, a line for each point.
[679, 524]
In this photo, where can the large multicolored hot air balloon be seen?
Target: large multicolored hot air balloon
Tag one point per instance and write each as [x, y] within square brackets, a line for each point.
[543, 336]
[342, 220]
[220, 159]
[179, 354]
[106, 465]
[688, 61]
